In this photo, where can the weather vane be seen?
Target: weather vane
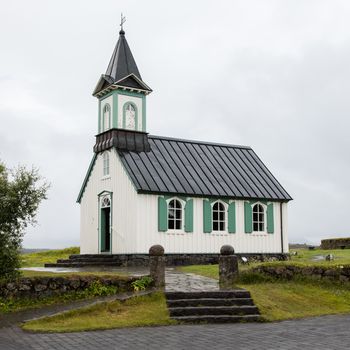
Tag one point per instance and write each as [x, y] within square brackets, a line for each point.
[122, 21]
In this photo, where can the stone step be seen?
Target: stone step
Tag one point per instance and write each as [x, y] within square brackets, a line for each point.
[210, 302]
[226, 294]
[81, 264]
[213, 310]
[92, 260]
[218, 318]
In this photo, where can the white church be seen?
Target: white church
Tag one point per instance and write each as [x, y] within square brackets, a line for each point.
[189, 196]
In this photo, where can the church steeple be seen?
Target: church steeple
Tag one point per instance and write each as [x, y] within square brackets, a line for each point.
[122, 70]
[122, 62]
[121, 94]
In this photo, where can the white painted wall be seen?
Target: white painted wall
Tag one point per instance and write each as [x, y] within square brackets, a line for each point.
[199, 242]
[123, 226]
[135, 221]
[104, 101]
[122, 99]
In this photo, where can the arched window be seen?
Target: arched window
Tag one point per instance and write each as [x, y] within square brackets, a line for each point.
[105, 163]
[174, 215]
[219, 217]
[130, 117]
[258, 218]
[106, 117]
[105, 202]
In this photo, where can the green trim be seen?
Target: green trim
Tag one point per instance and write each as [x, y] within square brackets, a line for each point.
[121, 92]
[100, 222]
[270, 220]
[115, 111]
[207, 219]
[136, 114]
[81, 192]
[162, 215]
[248, 213]
[99, 116]
[231, 217]
[109, 117]
[211, 197]
[144, 113]
[189, 215]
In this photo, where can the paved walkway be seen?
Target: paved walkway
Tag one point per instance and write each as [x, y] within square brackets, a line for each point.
[325, 333]
[176, 281]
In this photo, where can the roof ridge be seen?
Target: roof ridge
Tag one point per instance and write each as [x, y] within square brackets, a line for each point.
[197, 141]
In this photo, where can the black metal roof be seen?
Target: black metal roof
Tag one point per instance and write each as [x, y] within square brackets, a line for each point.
[187, 167]
[122, 62]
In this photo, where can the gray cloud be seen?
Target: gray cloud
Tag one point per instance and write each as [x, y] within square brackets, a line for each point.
[271, 74]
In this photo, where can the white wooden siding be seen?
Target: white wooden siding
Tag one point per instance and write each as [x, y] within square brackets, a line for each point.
[135, 221]
[123, 211]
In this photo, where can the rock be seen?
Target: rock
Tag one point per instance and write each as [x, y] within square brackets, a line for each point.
[227, 250]
[331, 273]
[11, 286]
[74, 283]
[156, 250]
[40, 287]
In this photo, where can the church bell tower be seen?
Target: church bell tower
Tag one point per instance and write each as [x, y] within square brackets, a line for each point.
[121, 94]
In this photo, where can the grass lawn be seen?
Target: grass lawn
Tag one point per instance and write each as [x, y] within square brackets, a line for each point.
[305, 256]
[287, 300]
[49, 256]
[149, 310]
[280, 300]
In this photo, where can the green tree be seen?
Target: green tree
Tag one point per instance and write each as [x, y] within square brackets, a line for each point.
[21, 191]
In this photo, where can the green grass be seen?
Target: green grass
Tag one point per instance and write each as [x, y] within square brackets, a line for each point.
[289, 300]
[281, 300]
[49, 256]
[305, 256]
[149, 310]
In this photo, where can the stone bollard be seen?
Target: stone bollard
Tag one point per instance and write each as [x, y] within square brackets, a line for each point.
[228, 267]
[157, 265]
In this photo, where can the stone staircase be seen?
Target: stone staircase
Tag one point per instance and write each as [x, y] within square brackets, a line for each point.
[220, 306]
[84, 260]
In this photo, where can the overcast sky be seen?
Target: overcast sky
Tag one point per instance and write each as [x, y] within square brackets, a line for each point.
[274, 75]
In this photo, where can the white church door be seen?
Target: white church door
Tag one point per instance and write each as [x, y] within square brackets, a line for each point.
[105, 224]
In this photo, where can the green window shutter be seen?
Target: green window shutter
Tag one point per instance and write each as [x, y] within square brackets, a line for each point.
[162, 214]
[189, 215]
[248, 224]
[207, 226]
[270, 220]
[232, 217]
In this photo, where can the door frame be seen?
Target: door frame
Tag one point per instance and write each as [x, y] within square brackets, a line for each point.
[100, 195]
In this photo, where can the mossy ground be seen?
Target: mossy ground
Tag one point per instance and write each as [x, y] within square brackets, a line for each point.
[149, 310]
[301, 297]
[49, 256]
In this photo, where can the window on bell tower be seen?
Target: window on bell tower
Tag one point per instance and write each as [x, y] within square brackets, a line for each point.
[130, 116]
[106, 117]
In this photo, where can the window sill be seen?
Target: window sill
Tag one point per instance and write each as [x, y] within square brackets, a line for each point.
[174, 233]
[259, 233]
[218, 233]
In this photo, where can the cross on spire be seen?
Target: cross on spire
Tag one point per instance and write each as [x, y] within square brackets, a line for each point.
[122, 21]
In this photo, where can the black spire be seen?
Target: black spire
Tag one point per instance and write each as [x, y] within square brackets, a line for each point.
[122, 62]
[122, 69]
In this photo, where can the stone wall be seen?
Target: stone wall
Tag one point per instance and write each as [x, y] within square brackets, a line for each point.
[336, 273]
[335, 243]
[129, 260]
[47, 286]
